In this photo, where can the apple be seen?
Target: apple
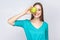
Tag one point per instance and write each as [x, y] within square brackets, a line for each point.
[33, 10]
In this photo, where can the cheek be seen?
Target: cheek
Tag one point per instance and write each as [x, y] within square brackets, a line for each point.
[37, 15]
[38, 11]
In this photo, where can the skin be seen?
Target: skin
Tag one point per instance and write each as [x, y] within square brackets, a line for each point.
[35, 22]
[38, 13]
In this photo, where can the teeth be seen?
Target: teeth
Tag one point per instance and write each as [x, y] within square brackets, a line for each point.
[36, 14]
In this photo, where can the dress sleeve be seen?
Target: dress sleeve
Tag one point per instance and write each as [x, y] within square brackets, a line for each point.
[46, 32]
[19, 23]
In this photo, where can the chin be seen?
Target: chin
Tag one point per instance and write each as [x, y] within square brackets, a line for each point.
[36, 16]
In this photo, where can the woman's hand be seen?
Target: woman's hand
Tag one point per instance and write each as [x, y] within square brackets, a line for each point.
[12, 19]
[28, 10]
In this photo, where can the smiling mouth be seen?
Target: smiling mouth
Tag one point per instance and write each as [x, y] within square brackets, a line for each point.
[36, 14]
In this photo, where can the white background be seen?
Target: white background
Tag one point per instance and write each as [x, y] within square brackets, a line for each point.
[9, 8]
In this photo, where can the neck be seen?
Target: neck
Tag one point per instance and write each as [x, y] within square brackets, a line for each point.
[36, 20]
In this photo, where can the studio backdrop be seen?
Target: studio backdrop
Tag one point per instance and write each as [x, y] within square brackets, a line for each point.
[9, 8]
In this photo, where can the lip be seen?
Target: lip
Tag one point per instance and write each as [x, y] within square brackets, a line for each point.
[36, 14]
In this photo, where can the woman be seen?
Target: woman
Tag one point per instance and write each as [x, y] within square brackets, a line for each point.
[35, 28]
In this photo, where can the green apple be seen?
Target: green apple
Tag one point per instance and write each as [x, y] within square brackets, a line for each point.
[33, 10]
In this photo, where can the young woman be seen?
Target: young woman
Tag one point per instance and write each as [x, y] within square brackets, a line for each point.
[35, 28]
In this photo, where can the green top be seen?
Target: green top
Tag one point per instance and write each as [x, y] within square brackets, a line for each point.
[31, 32]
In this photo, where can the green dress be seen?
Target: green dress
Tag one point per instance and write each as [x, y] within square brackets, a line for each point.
[31, 32]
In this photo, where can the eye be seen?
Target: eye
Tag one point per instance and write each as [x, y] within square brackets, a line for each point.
[39, 9]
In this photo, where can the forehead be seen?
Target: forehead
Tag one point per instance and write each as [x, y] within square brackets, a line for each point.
[38, 6]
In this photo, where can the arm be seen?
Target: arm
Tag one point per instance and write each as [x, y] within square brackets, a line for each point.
[12, 19]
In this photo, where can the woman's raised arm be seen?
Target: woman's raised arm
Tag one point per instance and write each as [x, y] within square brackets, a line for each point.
[12, 19]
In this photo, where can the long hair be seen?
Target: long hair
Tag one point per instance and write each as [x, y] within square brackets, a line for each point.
[41, 17]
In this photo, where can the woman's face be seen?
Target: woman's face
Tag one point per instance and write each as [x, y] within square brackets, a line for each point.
[38, 13]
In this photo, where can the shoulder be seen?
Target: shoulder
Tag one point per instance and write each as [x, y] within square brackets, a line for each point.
[20, 22]
[24, 21]
[45, 23]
